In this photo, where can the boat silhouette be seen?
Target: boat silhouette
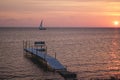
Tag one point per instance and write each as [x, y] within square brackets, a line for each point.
[41, 26]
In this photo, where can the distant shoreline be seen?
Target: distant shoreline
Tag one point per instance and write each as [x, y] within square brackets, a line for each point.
[61, 27]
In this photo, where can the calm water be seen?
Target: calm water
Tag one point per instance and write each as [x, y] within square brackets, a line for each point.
[89, 52]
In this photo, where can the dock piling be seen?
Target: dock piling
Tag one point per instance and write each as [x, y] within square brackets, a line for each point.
[55, 55]
[23, 47]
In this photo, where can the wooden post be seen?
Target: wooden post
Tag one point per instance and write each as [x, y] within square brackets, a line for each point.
[66, 67]
[36, 49]
[55, 55]
[26, 46]
[23, 47]
[32, 48]
[45, 55]
[46, 50]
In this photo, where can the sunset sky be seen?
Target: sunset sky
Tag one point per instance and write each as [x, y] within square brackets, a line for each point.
[59, 13]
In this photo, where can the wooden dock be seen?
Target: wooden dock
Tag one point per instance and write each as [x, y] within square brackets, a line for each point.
[54, 63]
[39, 51]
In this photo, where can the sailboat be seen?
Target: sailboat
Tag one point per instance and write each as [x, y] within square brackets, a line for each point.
[41, 26]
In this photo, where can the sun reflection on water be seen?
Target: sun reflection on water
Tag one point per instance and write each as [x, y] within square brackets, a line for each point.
[114, 63]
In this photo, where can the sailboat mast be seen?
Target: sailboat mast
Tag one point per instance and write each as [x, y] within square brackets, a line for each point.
[41, 24]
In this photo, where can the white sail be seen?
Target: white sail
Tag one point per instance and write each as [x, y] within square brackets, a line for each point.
[41, 26]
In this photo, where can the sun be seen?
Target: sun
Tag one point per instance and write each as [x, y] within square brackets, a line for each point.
[116, 23]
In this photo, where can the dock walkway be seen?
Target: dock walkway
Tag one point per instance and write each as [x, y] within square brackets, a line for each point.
[52, 62]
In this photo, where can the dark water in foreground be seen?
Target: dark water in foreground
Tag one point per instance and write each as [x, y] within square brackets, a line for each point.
[90, 53]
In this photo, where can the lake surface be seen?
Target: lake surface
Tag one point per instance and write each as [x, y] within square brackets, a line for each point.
[90, 52]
